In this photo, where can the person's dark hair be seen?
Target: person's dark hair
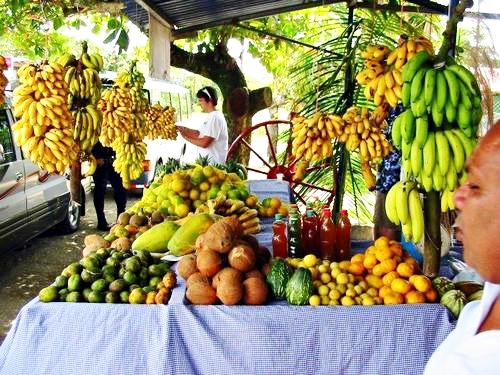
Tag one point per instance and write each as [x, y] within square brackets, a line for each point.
[208, 93]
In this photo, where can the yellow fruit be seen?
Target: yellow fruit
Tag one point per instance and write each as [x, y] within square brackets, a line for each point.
[389, 277]
[334, 295]
[325, 277]
[323, 290]
[415, 296]
[357, 268]
[421, 283]
[374, 281]
[315, 300]
[342, 278]
[405, 269]
[204, 186]
[275, 203]
[177, 185]
[369, 261]
[209, 171]
[400, 285]
[347, 301]
[182, 210]
[393, 298]
[381, 242]
[310, 260]
[431, 295]
[252, 200]
[383, 253]
[359, 257]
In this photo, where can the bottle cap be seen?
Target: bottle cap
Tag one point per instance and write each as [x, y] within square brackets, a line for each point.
[343, 212]
[278, 217]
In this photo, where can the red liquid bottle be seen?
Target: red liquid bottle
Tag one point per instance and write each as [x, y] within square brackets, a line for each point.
[310, 233]
[280, 241]
[327, 236]
[294, 235]
[344, 236]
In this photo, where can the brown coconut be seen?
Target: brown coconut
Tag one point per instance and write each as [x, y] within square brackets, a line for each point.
[218, 237]
[121, 243]
[242, 257]
[201, 293]
[208, 262]
[255, 291]
[230, 291]
[227, 273]
[95, 240]
[195, 278]
[186, 266]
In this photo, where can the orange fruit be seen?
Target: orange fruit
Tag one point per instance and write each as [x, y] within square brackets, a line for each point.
[356, 268]
[385, 290]
[405, 269]
[359, 257]
[401, 285]
[378, 270]
[370, 250]
[388, 265]
[369, 261]
[344, 265]
[383, 253]
[204, 186]
[381, 242]
[396, 248]
[414, 296]
[431, 295]
[388, 277]
[374, 281]
[275, 203]
[251, 201]
[421, 283]
[194, 194]
[393, 298]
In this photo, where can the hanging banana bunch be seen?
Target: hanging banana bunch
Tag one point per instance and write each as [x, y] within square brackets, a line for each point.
[115, 104]
[160, 122]
[382, 75]
[44, 126]
[82, 78]
[312, 137]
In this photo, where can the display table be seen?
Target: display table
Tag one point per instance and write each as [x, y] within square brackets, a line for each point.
[121, 339]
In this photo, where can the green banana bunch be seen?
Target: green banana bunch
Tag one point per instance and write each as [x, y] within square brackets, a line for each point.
[403, 206]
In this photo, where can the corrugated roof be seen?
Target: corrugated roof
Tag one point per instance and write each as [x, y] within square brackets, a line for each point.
[187, 16]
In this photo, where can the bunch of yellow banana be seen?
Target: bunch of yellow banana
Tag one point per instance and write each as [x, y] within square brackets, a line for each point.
[382, 75]
[312, 137]
[445, 93]
[129, 157]
[115, 104]
[440, 164]
[44, 126]
[359, 131]
[82, 78]
[221, 205]
[403, 206]
[160, 122]
[368, 175]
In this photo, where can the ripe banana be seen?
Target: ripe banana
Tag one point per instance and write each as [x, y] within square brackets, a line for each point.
[457, 149]
[416, 213]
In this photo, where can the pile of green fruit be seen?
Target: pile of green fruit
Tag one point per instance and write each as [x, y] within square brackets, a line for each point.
[113, 276]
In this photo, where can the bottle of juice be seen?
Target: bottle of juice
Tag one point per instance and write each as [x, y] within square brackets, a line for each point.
[280, 241]
[310, 233]
[327, 236]
[344, 236]
[294, 235]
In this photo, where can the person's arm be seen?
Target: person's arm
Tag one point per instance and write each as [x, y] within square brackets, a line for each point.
[193, 136]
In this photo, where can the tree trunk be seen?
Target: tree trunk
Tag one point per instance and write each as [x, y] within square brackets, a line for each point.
[432, 241]
[221, 68]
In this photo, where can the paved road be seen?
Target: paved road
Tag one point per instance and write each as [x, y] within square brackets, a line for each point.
[25, 271]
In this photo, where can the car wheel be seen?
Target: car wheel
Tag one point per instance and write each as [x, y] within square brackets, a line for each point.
[71, 221]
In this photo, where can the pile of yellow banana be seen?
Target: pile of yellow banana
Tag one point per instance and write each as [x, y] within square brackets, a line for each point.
[312, 137]
[44, 129]
[116, 107]
[403, 206]
[129, 157]
[359, 131]
[160, 122]
[3, 79]
[382, 73]
[82, 78]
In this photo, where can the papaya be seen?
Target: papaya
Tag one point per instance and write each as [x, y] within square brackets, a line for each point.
[184, 239]
[156, 238]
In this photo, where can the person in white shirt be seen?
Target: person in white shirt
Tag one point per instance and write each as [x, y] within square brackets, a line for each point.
[473, 347]
[212, 138]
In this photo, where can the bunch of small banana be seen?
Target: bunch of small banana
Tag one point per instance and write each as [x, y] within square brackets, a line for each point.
[44, 126]
[359, 131]
[115, 105]
[312, 137]
[221, 205]
[3, 79]
[82, 78]
[445, 94]
[382, 73]
[129, 156]
[160, 122]
[440, 163]
[403, 206]
[447, 200]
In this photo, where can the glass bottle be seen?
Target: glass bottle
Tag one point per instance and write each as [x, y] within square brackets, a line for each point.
[280, 241]
[294, 235]
[327, 236]
[310, 233]
[344, 236]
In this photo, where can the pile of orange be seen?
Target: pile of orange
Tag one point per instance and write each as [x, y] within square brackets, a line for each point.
[271, 206]
[383, 274]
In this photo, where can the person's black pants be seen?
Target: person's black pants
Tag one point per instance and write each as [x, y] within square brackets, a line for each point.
[101, 176]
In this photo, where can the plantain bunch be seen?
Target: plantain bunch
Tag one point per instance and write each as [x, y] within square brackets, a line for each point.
[382, 76]
[160, 122]
[82, 77]
[129, 156]
[312, 137]
[358, 131]
[3, 79]
[43, 128]
[116, 106]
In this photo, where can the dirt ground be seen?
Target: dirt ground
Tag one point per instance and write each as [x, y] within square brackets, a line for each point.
[25, 271]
